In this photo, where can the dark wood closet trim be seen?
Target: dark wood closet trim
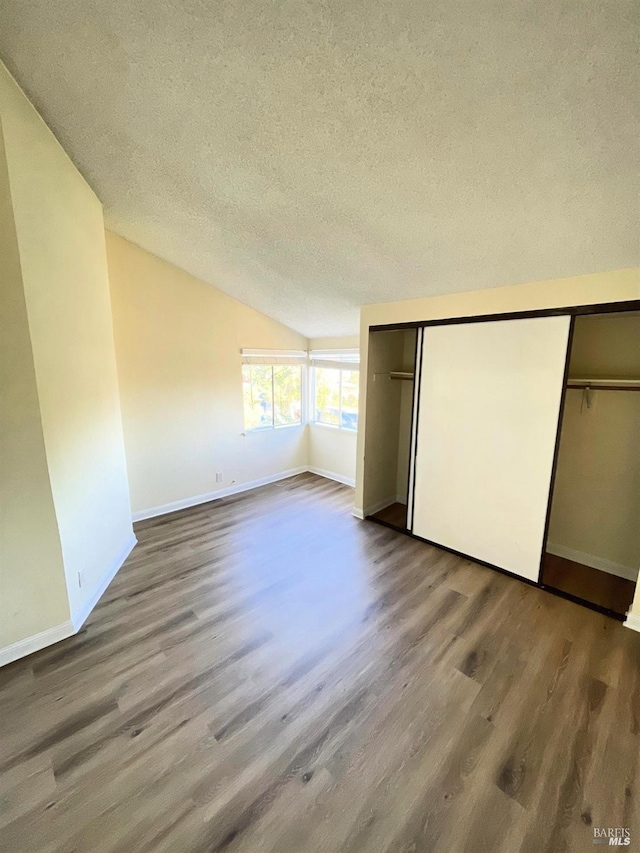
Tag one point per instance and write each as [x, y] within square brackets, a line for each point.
[575, 310]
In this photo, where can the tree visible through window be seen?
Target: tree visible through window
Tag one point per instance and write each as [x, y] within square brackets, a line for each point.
[272, 395]
[336, 396]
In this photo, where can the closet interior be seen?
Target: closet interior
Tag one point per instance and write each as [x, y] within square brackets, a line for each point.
[593, 546]
[390, 392]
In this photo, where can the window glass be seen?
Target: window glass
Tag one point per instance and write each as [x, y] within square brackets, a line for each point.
[349, 398]
[327, 395]
[287, 392]
[272, 395]
[257, 390]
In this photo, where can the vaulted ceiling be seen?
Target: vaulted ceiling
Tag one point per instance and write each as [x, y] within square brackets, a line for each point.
[311, 156]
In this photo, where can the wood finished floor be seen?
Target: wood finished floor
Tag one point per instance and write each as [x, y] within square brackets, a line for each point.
[267, 673]
[395, 514]
[592, 585]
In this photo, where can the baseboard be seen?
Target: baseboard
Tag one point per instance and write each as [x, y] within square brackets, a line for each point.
[80, 615]
[67, 629]
[632, 621]
[357, 512]
[331, 475]
[593, 562]
[36, 642]
[226, 492]
[401, 499]
[371, 510]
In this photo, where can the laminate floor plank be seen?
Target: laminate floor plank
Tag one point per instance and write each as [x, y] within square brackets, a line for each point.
[593, 585]
[267, 673]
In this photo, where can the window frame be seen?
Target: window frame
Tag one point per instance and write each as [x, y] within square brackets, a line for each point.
[340, 360]
[279, 360]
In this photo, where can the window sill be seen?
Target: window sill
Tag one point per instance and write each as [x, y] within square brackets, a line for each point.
[267, 429]
[334, 427]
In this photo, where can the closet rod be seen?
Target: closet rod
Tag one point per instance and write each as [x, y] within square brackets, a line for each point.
[605, 384]
[394, 374]
[400, 374]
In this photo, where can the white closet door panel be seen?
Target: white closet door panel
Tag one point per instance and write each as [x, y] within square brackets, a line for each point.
[489, 399]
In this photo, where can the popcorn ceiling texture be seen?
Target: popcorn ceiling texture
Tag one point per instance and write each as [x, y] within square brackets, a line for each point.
[311, 157]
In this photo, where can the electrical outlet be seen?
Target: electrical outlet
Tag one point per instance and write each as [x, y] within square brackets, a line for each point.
[219, 477]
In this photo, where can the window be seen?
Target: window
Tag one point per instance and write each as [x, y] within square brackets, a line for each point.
[272, 389]
[336, 380]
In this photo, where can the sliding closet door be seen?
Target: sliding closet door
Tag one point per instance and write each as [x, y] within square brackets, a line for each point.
[489, 402]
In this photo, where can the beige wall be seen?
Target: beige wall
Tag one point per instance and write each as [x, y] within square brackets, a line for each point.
[60, 235]
[596, 501]
[382, 428]
[406, 410]
[614, 286]
[606, 345]
[178, 345]
[346, 342]
[33, 592]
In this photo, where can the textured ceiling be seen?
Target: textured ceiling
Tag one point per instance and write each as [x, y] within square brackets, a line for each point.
[311, 156]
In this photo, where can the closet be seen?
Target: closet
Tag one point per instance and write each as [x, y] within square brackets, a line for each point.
[593, 545]
[390, 391]
[473, 424]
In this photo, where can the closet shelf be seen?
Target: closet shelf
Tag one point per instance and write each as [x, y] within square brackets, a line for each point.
[604, 383]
